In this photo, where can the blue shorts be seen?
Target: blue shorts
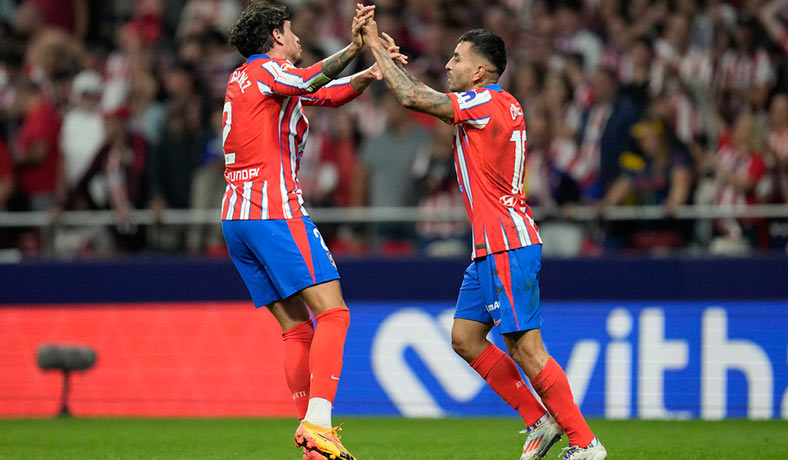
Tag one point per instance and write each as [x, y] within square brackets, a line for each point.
[278, 258]
[503, 289]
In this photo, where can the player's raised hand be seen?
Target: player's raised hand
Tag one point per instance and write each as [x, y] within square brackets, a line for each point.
[369, 31]
[375, 72]
[363, 14]
[393, 49]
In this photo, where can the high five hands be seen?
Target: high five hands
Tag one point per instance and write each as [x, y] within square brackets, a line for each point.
[366, 29]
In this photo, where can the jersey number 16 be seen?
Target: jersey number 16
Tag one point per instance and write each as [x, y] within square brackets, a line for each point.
[518, 137]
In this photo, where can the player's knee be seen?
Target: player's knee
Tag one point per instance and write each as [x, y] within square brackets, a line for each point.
[464, 346]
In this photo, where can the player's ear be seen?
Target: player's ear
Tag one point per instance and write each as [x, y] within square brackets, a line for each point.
[279, 36]
[479, 73]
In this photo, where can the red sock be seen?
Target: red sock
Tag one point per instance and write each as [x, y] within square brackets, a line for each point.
[553, 387]
[325, 359]
[297, 341]
[500, 372]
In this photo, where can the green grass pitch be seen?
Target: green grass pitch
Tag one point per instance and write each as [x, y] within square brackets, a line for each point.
[376, 439]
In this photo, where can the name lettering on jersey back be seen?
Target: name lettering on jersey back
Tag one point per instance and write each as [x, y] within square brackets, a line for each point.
[240, 77]
[242, 174]
[516, 111]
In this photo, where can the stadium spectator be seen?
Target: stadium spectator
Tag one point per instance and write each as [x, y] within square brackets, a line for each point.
[746, 74]
[7, 187]
[660, 173]
[742, 179]
[573, 37]
[387, 162]
[172, 164]
[83, 129]
[603, 131]
[436, 184]
[148, 114]
[207, 188]
[37, 154]
[778, 143]
[120, 164]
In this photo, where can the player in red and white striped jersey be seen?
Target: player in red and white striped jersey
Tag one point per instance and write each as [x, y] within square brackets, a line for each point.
[276, 248]
[501, 286]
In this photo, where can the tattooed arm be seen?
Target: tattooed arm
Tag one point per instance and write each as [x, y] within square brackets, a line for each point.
[409, 91]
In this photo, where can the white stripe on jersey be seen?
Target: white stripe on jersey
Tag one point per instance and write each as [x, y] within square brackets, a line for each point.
[505, 238]
[286, 78]
[264, 89]
[533, 224]
[486, 242]
[338, 82]
[264, 204]
[463, 172]
[231, 205]
[478, 123]
[283, 190]
[519, 224]
[246, 205]
[295, 117]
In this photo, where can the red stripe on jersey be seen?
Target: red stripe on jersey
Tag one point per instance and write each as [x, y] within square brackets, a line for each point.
[256, 212]
[239, 201]
[504, 274]
[298, 230]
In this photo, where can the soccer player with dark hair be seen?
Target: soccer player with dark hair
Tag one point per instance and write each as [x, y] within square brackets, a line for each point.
[276, 248]
[501, 286]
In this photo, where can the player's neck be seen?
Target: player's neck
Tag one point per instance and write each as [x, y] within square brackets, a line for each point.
[277, 52]
[482, 84]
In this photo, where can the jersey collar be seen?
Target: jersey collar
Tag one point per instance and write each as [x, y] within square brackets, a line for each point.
[255, 57]
[494, 87]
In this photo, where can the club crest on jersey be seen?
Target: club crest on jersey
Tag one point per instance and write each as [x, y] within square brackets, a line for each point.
[516, 111]
[510, 201]
[240, 77]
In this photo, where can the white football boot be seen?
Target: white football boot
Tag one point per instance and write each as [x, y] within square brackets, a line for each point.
[540, 437]
[594, 451]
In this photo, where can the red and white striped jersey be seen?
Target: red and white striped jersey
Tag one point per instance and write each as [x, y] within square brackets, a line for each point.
[745, 71]
[490, 157]
[745, 165]
[265, 130]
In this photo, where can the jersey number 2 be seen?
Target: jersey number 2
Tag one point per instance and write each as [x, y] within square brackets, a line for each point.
[518, 137]
[229, 158]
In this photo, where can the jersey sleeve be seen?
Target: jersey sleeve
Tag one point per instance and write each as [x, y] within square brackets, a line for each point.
[471, 108]
[284, 79]
[338, 92]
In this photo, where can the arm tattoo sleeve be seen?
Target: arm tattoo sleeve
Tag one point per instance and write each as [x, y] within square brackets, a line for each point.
[336, 63]
[410, 92]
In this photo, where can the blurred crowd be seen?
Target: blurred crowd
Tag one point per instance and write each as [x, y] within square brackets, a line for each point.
[117, 105]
